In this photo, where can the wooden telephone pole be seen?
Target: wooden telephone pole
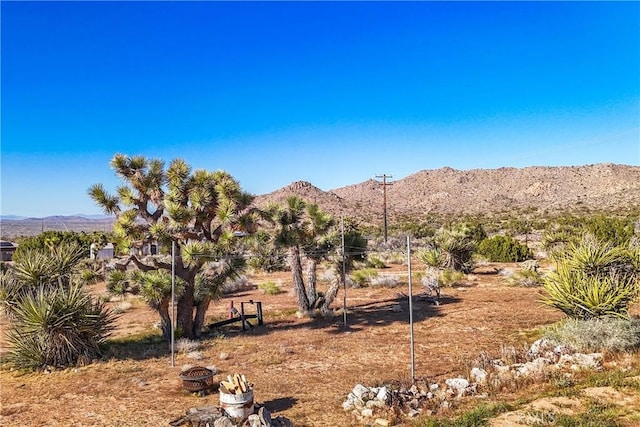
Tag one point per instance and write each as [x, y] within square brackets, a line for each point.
[384, 203]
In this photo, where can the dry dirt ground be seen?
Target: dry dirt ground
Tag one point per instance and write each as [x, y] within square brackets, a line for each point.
[302, 369]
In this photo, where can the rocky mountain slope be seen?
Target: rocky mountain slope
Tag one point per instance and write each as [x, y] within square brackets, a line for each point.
[600, 187]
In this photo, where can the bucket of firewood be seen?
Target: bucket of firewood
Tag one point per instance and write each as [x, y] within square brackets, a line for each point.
[236, 396]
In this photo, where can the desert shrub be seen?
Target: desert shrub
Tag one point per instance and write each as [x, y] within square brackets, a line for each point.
[455, 246]
[593, 279]
[374, 261]
[450, 277]
[617, 231]
[270, 288]
[363, 276]
[185, 345]
[57, 326]
[526, 278]
[504, 249]
[385, 281]
[607, 333]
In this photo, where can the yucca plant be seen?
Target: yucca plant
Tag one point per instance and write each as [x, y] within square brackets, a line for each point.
[592, 280]
[58, 327]
[54, 322]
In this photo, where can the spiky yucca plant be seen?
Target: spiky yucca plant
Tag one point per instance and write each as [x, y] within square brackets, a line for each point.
[57, 326]
[592, 279]
[54, 322]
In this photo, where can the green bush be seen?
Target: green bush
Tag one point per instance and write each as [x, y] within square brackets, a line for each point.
[449, 277]
[373, 261]
[593, 279]
[363, 277]
[269, 288]
[57, 326]
[504, 249]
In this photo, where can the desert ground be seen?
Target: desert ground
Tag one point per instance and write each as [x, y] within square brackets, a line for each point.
[301, 368]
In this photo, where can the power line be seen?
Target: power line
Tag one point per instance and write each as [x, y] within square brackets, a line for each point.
[384, 203]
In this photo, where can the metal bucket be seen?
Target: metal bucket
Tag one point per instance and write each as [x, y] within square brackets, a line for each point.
[237, 405]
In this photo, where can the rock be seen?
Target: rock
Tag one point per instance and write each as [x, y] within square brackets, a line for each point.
[445, 404]
[540, 347]
[478, 375]
[434, 387]
[348, 405]
[581, 361]
[223, 356]
[375, 403]
[265, 417]
[382, 422]
[254, 420]
[413, 413]
[459, 385]
[359, 403]
[223, 422]
[383, 394]
[359, 390]
[367, 412]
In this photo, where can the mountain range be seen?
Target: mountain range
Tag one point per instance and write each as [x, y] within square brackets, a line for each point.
[601, 187]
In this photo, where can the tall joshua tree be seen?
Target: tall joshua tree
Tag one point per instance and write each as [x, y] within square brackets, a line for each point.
[200, 211]
[310, 235]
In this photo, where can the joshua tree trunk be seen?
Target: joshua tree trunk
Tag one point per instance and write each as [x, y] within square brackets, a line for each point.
[298, 281]
[312, 293]
[185, 312]
[165, 319]
[330, 295]
[201, 311]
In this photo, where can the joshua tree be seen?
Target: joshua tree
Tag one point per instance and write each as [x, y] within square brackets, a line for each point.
[310, 234]
[199, 211]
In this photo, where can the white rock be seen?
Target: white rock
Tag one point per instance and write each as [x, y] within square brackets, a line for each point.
[581, 361]
[434, 387]
[367, 412]
[383, 394]
[459, 385]
[382, 422]
[359, 390]
[478, 375]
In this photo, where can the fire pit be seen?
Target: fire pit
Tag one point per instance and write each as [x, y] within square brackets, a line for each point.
[197, 379]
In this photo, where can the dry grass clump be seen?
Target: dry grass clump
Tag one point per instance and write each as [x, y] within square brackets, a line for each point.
[599, 334]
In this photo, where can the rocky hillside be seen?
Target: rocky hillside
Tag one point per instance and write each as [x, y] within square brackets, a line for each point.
[606, 187]
[601, 187]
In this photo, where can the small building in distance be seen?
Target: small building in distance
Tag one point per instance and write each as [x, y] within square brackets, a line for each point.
[7, 249]
[106, 253]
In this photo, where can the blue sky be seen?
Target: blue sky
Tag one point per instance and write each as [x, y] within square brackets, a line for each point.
[329, 92]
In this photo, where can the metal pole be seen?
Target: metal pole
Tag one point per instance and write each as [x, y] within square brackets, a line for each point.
[173, 302]
[344, 279]
[413, 367]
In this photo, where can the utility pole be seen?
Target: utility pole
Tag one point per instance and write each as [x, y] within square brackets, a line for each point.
[384, 203]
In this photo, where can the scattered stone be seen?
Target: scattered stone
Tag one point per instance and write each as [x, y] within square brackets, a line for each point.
[478, 375]
[223, 356]
[367, 412]
[458, 385]
[381, 422]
